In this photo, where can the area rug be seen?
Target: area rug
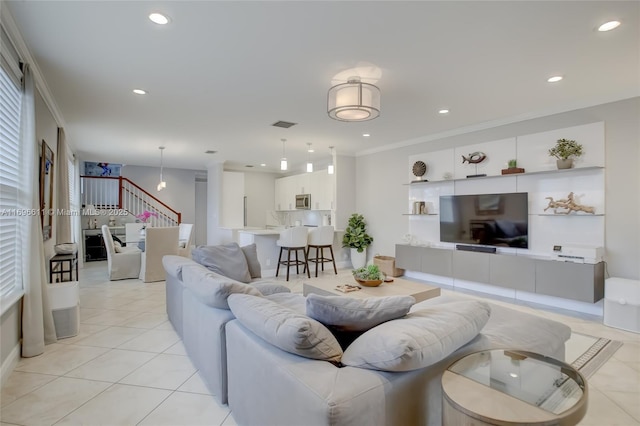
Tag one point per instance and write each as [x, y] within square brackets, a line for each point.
[588, 353]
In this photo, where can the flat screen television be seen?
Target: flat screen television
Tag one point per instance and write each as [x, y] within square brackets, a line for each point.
[485, 219]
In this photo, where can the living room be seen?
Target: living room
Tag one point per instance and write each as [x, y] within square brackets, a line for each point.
[373, 171]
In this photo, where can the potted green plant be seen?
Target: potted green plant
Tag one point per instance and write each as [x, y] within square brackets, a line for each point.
[370, 276]
[513, 163]
[565, 151]
[356, 238]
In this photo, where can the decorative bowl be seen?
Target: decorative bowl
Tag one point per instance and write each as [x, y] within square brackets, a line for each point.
[369, 283]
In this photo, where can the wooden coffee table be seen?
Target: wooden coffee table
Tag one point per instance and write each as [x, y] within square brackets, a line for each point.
[326, 286]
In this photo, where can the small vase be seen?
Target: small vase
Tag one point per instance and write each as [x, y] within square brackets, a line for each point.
[564, 164]
[143, 233]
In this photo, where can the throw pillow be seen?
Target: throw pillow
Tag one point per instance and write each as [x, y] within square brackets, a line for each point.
[422, 338]
[211, 288]
[117, 248]
[251, 255]
[284, 328]
[350, 314]
[227, 260]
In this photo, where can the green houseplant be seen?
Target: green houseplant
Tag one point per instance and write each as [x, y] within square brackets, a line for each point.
[565, 151]
[356, 238]
[370, 275]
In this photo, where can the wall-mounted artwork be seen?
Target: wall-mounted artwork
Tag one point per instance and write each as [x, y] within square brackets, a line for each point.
[102, 169]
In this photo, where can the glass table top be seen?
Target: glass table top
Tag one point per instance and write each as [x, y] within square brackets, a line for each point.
[543, 382]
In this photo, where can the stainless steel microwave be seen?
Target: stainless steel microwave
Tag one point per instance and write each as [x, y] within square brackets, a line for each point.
[303, 201]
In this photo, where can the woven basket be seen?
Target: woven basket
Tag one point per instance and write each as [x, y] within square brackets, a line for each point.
[387, 264]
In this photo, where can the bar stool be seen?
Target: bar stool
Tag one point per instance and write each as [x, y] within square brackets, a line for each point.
[293, 239]
[321, 238]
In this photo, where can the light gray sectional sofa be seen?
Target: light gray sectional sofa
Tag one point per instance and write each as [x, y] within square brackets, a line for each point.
[257, 355]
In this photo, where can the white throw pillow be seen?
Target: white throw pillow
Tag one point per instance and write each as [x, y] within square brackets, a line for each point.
[350, 314]
[285, 328]
[213, 289]
[228, 260]
[420, 339]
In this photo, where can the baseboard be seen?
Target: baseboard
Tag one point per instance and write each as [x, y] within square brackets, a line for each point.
[9, 364]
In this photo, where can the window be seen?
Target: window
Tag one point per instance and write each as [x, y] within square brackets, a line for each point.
[10, 107]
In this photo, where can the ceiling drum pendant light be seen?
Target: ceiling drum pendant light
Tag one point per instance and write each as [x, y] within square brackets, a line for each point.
[330, 168]
[162, 185]
[283, 160]
[309, 163]
[353, 101]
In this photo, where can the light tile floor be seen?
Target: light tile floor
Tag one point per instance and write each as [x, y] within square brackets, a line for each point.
[127, 366]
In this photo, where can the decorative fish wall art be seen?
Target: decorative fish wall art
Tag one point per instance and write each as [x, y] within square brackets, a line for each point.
[474, 158]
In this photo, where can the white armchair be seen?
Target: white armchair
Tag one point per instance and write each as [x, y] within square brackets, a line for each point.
[185, 239]
[159, 242]
[123, 263]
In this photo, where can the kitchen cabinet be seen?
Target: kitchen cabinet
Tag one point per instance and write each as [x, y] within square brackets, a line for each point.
[319, 184]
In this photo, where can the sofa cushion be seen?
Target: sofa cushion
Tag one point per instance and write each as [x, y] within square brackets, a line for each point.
[251, 255]
[350, 314]
[211, 288]
[270, 287]
[293, 301]
[285, 328]
[227, 260]
[173, 265]
[420, 339]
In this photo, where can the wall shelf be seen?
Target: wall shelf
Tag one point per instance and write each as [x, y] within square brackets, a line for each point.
[566, 215]
[420, 214]
[541, 172]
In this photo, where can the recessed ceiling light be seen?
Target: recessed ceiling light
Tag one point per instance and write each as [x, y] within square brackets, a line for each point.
[608, 26]
[158, 18]
[139, 92]
[263, 165]
[554, 79]
[443, 111]
[366, 135]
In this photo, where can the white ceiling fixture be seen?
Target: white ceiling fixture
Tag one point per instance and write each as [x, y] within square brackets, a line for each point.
[139, 91]
[443, 111]
[365, 135]
[162, 184]
[555, 79]
[309, 163]
[283, 160]
[608, 26]
[158, 18]
[353, 101]
[331, 167]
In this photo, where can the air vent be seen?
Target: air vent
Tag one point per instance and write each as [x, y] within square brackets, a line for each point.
[249, 165]
[283, 124]
[210, 151]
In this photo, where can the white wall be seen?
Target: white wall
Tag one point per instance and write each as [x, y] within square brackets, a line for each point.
[200, 226]
[382, 197]
[180, 193]
[259, 189]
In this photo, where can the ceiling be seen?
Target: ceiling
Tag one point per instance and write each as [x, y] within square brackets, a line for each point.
[220, 73]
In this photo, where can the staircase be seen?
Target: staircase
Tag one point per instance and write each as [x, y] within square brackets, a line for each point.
[119, 193]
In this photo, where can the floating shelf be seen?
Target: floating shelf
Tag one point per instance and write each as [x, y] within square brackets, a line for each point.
[577, 169]
[566, 215]
[420, 214]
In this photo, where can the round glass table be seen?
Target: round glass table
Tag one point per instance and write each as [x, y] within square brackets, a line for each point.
[507, 387]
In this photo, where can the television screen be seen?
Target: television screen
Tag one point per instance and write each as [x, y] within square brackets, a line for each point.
[487, 219]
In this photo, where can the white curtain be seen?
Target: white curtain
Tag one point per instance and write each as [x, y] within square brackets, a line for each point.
[37, 320]
[63, 221]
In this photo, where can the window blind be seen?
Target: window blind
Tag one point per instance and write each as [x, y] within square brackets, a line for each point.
[10, 241]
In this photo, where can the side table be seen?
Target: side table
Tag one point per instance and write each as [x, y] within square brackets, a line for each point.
[61, 264]
[507, 387]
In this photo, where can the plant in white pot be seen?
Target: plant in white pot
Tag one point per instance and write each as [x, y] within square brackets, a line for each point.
[565, 151]
[356, 238]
